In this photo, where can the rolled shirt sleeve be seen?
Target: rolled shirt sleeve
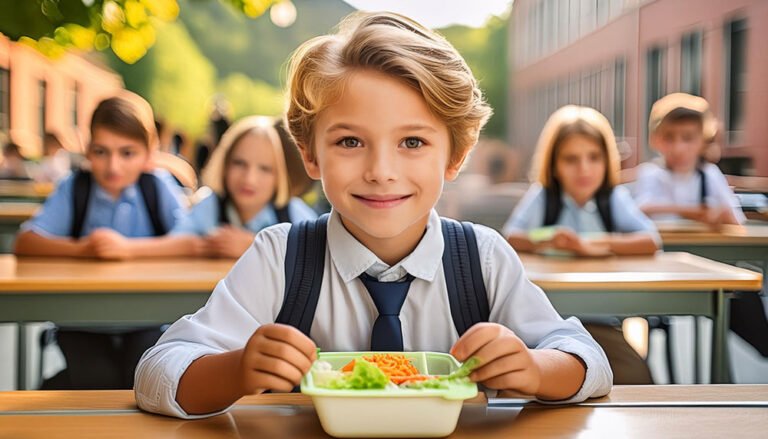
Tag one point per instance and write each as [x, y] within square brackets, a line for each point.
[244, 300]
[54, 219]
[518, 304]
[529, 212]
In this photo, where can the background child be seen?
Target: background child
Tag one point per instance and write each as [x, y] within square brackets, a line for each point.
[251, 190]
[576, 171]
[684, 185]
[117, 210]
[384, 112]
[13, 164]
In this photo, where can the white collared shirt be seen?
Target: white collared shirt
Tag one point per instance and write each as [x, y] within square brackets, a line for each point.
[252, 294]
[658, 185]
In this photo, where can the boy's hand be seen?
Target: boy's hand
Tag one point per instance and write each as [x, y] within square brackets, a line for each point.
[567, 239]
[505, 361]
[109, 244]
[275, 358]
[228, 242]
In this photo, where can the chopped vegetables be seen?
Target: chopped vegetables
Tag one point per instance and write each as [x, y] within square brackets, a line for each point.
[380, 371]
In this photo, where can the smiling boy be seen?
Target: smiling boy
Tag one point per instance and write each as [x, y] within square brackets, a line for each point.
[384, 112]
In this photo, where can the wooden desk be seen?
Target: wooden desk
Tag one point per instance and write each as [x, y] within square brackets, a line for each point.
[25, 189]
[16, 212]
[69, 291]
[729, 245]
[629, 411]
[663, 284]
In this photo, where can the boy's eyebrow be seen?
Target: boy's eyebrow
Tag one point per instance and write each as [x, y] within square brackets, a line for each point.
[121, 147]
[408, 127]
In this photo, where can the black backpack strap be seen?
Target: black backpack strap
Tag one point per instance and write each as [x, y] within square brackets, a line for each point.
[282, 214]
[81, 194]
[603, 201]
[702, 186]
[148, 186]
[463, 275]
[222, 202]
[553, 204]
[304, 266]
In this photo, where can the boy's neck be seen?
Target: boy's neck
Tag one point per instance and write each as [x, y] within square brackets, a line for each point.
[394, 249]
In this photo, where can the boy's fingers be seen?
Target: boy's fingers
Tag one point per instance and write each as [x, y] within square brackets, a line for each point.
[475, 338]
[286, 352]
[267, 380]
[499, 366]
[294, 337]
[512, 380]
[278, 367]
[498, 348]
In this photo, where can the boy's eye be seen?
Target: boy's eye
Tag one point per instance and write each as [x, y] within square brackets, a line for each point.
[128, 154]
[349, 142]
[412, 143]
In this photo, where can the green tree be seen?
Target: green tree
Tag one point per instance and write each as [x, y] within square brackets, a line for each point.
[175, 78]
[249, 97]
[485, 50]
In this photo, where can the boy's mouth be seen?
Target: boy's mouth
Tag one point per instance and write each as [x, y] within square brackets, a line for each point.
[382, 201]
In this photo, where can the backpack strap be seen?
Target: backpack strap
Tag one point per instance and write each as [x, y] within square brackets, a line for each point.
[148, 186]
[702, 186]
[553, 204]
[467, 296]
[223, 219]
[304, 266]
[81, 194]
[282, 214]
[603, 201]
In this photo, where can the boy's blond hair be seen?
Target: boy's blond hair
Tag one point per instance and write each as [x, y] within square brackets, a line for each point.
[572, 120]
[213, 175]
[396, 46]
[683, 106]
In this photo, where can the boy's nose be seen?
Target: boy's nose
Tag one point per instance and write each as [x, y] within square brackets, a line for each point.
[381, 165]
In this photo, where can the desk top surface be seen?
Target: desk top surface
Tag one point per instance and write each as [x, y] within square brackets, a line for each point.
[113, 414]
[661, 272]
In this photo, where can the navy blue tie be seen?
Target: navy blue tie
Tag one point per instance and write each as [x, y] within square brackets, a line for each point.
[387, 334]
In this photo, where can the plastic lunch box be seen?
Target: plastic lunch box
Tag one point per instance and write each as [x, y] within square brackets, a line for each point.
[395, 412]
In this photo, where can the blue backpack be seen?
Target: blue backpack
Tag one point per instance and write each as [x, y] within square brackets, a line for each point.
[305, 263]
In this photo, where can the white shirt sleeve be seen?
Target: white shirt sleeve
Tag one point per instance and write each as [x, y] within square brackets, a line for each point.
[529, 212]
[518, 304]
[720, 192]
[649, 188]
[250, 294]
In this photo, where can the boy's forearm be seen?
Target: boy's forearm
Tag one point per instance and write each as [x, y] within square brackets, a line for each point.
[30, 243]
[520, 242]
[632, 244]
[165, 246]
[688, 212]
[562, 374]
[211, 383]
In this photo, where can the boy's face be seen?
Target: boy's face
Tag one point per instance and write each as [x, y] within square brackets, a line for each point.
[382, 157]
[681, 143]
[250, 175]
[580, 166]
[116, 161]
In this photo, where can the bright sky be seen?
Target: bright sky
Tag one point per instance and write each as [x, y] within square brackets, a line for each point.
[439, 13]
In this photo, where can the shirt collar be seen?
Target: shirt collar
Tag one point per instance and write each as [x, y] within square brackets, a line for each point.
[570, 203]
[352, 258]
[264, 218]
[130, 194]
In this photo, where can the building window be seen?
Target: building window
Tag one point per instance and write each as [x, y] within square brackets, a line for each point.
[602, 12]
[75, 95]
[563, 12]
[690, 63]
[656, 84]
[735, 77]
[41, 107]
[588, 16]
[574, 21]
[5, 101]
[619, 86]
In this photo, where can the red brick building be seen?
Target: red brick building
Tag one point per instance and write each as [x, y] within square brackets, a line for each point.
[619, 56]
[39, 94]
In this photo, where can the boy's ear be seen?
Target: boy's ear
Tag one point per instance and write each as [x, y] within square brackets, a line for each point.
[310, 164]
[452, 171]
